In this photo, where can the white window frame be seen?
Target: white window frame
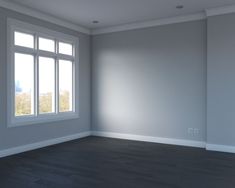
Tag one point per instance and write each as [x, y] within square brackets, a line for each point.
[38, 31]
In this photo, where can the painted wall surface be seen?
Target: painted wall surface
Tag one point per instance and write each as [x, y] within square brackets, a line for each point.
[221, 80]
[11, 137]
[151, 81]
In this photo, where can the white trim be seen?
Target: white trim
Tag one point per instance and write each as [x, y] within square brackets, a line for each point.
[13, 25]
[42, 16]
[158, 22]
[29, 28]
[37, 145]
[220, 148]
[220, 10]
[171, 141]
[44, 118]
[164, 21]
[180, 142]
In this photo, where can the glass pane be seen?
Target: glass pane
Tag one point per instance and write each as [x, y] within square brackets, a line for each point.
[24, 84]
[65, 85]
[65, 48]
[46, 44]
[23, 39]
[46, 85]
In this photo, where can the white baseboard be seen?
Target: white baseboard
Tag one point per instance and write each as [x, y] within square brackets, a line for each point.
[170, 141]
[220, 148]
[28, 147]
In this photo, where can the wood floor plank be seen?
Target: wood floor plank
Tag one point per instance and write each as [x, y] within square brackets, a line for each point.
[96, 162]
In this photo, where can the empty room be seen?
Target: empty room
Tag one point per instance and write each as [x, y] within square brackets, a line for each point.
[117, 94]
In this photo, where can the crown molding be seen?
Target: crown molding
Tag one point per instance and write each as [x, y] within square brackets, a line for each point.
[131, 26]
[45, 17]
[220, 10]
[158, 22]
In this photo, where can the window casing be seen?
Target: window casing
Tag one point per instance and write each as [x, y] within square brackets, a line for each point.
[42, 74]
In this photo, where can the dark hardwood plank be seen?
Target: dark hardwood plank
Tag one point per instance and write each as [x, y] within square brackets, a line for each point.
[95, 162]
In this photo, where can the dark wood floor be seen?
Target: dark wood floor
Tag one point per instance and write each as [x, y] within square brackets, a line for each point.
[95, 162]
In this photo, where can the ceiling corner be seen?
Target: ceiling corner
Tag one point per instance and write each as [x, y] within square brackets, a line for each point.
[43, 16]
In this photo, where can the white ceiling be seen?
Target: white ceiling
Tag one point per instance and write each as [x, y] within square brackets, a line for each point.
[118, 12]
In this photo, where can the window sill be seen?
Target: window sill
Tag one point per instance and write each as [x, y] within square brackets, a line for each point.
[42, 119]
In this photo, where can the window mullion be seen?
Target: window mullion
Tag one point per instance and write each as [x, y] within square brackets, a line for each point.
[20, 49]
[36, 77]
[73, 98]
[57, 78]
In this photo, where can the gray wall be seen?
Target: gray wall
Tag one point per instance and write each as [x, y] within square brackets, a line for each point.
[151, 81]
[148, 81]
[221, 80]
[10, 137]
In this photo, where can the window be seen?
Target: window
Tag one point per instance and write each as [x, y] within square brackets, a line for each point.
[43, 67]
